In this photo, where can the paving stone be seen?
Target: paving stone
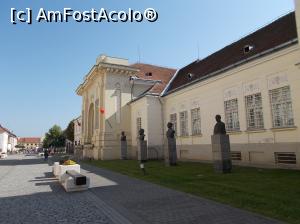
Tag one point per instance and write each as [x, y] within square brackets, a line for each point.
[30, 194]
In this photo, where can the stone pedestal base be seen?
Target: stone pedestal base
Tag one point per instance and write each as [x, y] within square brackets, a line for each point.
[221, 153]
[123, 149]
[142, 151]
[172, 153]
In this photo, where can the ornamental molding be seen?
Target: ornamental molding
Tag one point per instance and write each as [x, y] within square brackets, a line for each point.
[231, 93]
[252, 87]
[277, 81]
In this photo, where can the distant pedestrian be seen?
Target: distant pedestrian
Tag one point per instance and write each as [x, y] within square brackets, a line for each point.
[46, 154]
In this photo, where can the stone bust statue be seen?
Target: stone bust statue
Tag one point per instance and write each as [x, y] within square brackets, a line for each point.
[219, 126]
[123, 136]
[141, 134]
[170, 132]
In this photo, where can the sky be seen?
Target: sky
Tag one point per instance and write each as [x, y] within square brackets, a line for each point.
[42, 64]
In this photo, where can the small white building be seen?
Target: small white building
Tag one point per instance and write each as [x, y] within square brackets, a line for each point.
[8, 140]
[3, 141]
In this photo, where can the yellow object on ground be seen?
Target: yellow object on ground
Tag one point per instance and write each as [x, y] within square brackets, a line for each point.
[69, 162]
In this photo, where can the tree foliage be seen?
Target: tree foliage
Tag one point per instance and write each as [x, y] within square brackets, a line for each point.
[69, 132]
[54, 137]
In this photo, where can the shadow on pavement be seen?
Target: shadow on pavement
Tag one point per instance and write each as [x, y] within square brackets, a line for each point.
[18, 162]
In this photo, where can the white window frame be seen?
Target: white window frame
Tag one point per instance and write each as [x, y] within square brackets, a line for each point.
[138, 125]
[173, 120]
[184, 127]
[196, 121]
[232, 115]
[254, 111]
[281, 107]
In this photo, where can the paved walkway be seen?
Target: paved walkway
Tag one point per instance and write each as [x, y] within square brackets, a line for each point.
[30, 194]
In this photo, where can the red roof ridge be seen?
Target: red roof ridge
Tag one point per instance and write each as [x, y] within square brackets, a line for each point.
[233, 54]
[7, 130]
[29, 139]
[158, 66]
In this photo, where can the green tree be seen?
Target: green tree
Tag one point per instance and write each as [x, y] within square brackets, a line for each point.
[54, 137]
[69, 132]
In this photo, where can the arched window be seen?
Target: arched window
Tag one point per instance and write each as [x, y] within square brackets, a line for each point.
[90, 123]
[97, 114]
[118, 102]
[82, 121]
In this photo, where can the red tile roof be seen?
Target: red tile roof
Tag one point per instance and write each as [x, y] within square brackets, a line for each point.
[157, 73]
[273, 35]
[29, 140]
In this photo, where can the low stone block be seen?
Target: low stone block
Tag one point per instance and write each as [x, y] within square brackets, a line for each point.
[63, 168]
[68, 183]
[172, 151]
[55, 168]
[79, 179]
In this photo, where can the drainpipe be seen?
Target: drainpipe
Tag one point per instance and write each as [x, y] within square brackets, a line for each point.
[163, 123]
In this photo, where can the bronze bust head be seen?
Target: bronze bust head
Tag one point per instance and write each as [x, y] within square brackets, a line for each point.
[141, 134]
[123, 136]
[170, 132]
[219, 126]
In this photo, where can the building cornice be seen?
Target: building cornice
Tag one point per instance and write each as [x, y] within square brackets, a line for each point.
[142, 96]
[105, 67]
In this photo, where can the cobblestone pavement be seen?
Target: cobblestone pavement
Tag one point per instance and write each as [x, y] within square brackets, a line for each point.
[30, 194]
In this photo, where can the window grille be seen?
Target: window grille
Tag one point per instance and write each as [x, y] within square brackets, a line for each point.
[138, 125]
[173, 120]
[285, 158]
[236, 155]
[254, 112]
[183, 116]
[232, 115]
[281, 105]
[196, 122]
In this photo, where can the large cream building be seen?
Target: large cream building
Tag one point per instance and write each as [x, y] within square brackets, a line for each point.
[252, 83]
[106, 92]
[30, 142]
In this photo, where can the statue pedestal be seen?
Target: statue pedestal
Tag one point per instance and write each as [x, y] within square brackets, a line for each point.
[142, 150]
[221, 153]
[123, 149]
[172, 153]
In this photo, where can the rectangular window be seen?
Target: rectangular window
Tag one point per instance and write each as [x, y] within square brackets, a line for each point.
[173, 120]
[183, 117]
[281, 105]
[138, 125]
[196, 122]
[232, 115]
[254, 112]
